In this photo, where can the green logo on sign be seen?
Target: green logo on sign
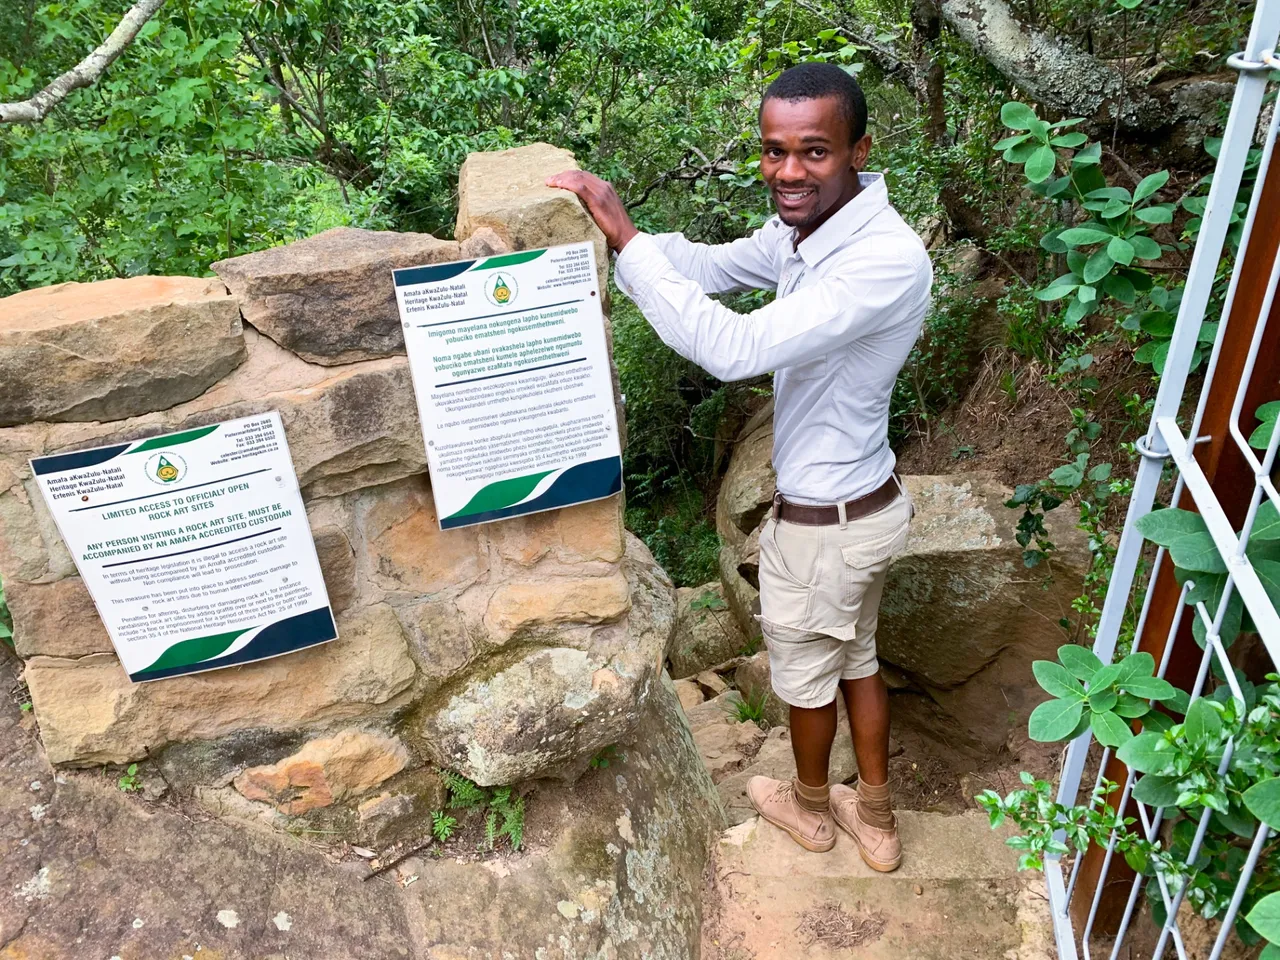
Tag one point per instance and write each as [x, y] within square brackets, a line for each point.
[166, 471]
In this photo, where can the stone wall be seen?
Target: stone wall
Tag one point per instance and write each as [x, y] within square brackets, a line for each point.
[507, 652]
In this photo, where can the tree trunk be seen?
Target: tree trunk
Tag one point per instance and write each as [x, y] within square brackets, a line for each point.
[1058, 75]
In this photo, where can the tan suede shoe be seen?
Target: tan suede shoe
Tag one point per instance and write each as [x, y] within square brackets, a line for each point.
[881, 849]
[775, 801]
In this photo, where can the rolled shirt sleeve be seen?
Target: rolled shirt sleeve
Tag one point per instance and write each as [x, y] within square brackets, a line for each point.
[866, 293]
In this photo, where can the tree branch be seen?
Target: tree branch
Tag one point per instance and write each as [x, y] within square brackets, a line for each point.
[1060, 76]
[86, 72]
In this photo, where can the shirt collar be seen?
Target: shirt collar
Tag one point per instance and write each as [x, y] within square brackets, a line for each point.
[846, 221]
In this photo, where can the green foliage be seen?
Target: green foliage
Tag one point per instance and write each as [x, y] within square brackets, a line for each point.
[503, 811]
[463, 794]
[750, 707]
[130, 782]
[504, 819]
[605, 757]
[6, 619]
[1196, 559]
[1088, 695]
[443, 825]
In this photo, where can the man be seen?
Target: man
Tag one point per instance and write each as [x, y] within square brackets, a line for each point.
[852, 283]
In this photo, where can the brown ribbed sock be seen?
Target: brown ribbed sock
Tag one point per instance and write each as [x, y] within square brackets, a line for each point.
[874, 806]
[817, 799]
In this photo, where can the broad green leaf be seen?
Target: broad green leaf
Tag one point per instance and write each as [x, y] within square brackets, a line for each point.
[1073, 139]
[1017, 116]
[1056, 291]
[1270, 952]
[1100, 473]
[1098, 266]
[1109, 193]
[1051, 242]
[1040, 167]
[1157, 323]
[1156, 791]
[1054, 720]
[1068, 475]
[1265, 917]
[1266, 525]
[1110, 730]
[1263, 801]
[1120, 250]
[1144, 248]
[1057, 680]
[1091, 154]
[1077, 236]
[1203, 722]
[1160, 214]
[1022, 152]
[1146, 753]
[1120, 288]
[1156, 722]
[1103, 701]
[1149, 688]
[1165, 526]
[1268, 572]
[1087, 294]
[1150, 185]
[1081, 662]
[1197, 551]
[1105, 677]
[1161, 355]
[1140, 664]
[1113, 208]
[1131, 707]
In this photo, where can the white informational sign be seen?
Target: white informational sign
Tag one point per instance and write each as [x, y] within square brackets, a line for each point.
[194, 546]
[512, 376]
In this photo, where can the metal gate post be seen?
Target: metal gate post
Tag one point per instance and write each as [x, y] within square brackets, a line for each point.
[1232, 480]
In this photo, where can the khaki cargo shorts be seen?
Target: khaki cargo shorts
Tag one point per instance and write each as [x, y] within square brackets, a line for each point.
[820, 590]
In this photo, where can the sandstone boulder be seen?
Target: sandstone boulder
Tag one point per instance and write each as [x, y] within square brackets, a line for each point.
[547, 710]
[616, 871]
[55, 619]
[114, 349]
[959, 593]
[707, 632]
[325, 771]
[748, 485]
[742, 597]
[505, 191]
[330, 298]
[89, 712]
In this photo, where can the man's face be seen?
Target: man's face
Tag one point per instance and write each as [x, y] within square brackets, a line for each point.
[806, 158]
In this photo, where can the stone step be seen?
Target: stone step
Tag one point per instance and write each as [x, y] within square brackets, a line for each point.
[957, 894]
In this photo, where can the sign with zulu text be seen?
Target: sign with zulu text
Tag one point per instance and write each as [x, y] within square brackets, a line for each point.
[513, 382]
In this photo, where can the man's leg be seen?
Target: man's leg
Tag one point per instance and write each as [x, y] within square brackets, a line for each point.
[867, 702]
[812, 733]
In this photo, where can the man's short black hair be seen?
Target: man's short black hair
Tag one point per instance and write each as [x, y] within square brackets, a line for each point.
[811, 81]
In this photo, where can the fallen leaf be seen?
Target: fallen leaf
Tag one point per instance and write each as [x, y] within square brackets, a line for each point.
[363, 852]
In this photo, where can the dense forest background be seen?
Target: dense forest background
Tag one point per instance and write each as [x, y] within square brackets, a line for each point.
[1026, 140]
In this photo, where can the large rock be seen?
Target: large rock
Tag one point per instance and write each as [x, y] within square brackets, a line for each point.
[326, 770]
[707, 632]
[90, 713]
[547, 710]
[55, 619]
[611, 866]
[617, 870]
[505, 191]
[114, 349]
[330, 298]
[959, 594]
[748, 485]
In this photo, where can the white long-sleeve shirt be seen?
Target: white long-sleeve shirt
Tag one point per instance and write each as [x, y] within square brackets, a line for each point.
[851, 301]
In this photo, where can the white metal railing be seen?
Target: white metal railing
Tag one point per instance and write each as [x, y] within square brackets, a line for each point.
[1165, 442]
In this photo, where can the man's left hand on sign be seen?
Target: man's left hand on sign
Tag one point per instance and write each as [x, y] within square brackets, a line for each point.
[602, 202]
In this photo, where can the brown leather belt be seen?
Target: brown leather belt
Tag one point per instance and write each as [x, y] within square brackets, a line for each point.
[811, 516]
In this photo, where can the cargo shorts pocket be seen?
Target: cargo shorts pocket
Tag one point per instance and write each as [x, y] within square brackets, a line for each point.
[862, 554]
[788, 583]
